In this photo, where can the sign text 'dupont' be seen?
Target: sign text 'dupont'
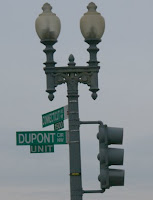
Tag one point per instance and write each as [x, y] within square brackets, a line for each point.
[41, 137]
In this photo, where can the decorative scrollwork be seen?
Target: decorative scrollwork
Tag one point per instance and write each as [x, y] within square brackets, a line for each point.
[65, 77]
[60, 78]
[72, 75]
[85, 78]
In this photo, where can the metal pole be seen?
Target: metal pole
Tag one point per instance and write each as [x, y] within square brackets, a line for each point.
[74, 145]
[71, 75]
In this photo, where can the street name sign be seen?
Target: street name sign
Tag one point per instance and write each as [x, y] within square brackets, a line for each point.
[55, 116]
[42, 137]
[59, 125]
[41, 148]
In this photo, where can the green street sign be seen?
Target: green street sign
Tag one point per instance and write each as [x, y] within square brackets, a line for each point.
[41, 148]
[42, 137]
[59, 125]
[55, 116]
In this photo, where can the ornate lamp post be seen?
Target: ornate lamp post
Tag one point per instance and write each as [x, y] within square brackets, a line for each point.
[92, 26]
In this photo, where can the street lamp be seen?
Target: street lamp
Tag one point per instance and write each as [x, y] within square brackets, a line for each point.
[92, 26]
[48, 25]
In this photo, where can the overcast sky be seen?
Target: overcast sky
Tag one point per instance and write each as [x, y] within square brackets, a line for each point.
[125, 98]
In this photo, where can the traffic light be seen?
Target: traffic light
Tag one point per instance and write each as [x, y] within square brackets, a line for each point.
[110, 156]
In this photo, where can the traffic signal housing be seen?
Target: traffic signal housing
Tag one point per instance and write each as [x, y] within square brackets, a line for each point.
[110, 156]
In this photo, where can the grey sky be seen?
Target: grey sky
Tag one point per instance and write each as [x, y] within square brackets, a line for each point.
[125, 98]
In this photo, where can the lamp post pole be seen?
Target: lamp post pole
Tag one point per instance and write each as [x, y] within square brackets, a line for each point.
[74, 134]
[48, 28]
